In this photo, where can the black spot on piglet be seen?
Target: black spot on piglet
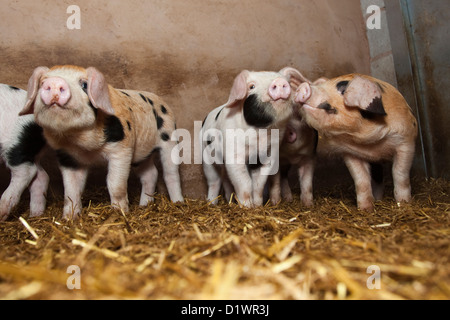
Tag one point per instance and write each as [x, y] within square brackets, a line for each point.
[328, 108]
[142, 96]
[342, 86]
[204, 121]
[376, 107]
[218, 114]
[66, 160]
[165, 137]
[30, 143]
[146, 99]
[257, 113]
[159, 120]
[14, 88]
[113, 129]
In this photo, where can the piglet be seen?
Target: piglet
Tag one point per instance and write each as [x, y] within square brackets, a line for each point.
[364, 120]
[21, 145]
[88, 122]
[298, 150]
[259, 106]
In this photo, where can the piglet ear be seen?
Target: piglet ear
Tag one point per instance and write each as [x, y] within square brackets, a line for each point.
[239, 91]
[366, 95]
[294, 76]
[98, 91]
[32, 91]
[320, 81]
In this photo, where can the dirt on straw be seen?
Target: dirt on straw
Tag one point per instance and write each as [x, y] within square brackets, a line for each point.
[198, 251]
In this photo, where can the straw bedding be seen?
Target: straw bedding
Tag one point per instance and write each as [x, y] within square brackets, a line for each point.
[197, 251]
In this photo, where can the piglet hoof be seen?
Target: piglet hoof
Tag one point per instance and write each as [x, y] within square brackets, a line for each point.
[36, 214]
[275, 200]
[287, 196]
[367, 207]
[402, 197]
[122, 208]
[246, 205]
[37, 208]
[71, 214]
[307, 201]
[257, 202]
[245, 201]
[145, 201]
[3, 216]
[180, 200]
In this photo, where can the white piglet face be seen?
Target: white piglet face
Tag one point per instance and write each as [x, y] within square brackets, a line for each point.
[266, 97]
[64, 98]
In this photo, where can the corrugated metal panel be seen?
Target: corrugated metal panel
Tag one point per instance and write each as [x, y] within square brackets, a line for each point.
[427, 32]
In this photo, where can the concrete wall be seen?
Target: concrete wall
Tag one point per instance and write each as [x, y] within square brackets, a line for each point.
[186, 51]
[381, 56]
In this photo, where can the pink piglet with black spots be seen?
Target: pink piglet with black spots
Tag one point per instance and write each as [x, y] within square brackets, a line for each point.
[364, 120]
[89, 122]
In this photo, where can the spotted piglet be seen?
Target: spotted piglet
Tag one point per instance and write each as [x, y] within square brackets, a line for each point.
[88, 122]
[21, 146]
[365, 120]
[259, 106]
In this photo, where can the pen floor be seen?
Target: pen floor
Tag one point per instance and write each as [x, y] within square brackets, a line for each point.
[197, 251]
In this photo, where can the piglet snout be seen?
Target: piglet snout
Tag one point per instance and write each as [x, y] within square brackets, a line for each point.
[55, 91]
[280, 89]
[303, 93]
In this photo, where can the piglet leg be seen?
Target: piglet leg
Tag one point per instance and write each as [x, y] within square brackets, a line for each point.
[171, 172]
[21, 177]
[360, 171]
[74, 182]
[117, 179]
[258, 182]
[306, 175]
[227, 186]
[148, 174]
[38, 192]
[242, 182]
[214, 181]
[401, 168]
[275, 188]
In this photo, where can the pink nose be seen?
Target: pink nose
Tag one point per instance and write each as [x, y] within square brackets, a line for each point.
[55, 91]
[280, 89]
[303, 93]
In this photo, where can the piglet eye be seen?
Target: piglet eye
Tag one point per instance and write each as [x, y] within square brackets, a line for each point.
[252, 86]
[84, 85]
